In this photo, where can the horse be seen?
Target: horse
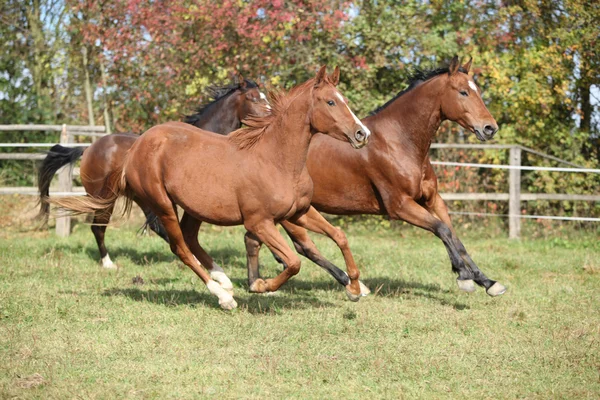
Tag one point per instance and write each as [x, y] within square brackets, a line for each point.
[256, 176]
[230, 105]
[393, 176]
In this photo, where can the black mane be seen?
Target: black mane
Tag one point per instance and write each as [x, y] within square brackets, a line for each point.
[417, 77]
[216, 93]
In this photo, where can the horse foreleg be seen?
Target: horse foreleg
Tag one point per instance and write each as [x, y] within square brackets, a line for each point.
[315, 222]
[266, 232]
[413, 213]
[190, 227]
[99, 230]
[493, 288]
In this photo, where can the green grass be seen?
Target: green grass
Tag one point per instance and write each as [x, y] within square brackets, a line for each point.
[71, 329]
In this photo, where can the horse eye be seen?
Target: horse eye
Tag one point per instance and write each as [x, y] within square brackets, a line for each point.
[464, 93]
[331, 103]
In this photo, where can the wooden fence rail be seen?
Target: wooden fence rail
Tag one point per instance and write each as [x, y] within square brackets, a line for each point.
[514, 196]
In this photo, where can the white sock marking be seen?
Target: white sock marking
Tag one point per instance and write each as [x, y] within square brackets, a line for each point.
[225, 299]
[107, 262]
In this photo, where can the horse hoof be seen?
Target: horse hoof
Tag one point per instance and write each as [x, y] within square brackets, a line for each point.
[352, 296]
[259, 286]
[496, 289]
[364, 290]
[228, 304]
[466, 285]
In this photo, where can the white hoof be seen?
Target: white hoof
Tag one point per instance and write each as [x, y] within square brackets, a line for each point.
[496, 289]
[228, 304]
[466, 285]
[107, 263]
[352, 296]
[364, 290]
[226, 301]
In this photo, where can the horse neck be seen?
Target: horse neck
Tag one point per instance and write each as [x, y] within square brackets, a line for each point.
[413, 118]
[221, 116]
[288, 138]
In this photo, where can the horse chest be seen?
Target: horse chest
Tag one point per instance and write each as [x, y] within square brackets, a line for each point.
[295, 199]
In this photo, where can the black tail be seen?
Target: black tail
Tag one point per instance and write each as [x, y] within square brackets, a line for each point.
[57, 157]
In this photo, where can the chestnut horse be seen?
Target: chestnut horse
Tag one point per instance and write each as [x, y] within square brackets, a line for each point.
[256, 176]
[230, 105]
[393, 176]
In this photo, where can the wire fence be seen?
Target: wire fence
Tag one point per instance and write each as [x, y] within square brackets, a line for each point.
[514, 195]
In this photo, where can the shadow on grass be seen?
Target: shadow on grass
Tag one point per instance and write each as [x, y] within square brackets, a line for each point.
[135, 256]
[401, 288]
[398, 287]
[254, 304]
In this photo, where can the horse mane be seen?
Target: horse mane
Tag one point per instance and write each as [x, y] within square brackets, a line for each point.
[416, 77]
[249, 136]
[216, 93]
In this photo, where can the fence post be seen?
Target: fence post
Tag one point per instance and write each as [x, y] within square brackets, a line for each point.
[65, 184]
[514, 194]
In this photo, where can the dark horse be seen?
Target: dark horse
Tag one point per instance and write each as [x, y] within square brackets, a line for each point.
[230, 105]
[393, 176]
[256, 176]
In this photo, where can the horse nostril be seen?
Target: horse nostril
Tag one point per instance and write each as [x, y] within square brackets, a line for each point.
[489, 130]
[359, 135]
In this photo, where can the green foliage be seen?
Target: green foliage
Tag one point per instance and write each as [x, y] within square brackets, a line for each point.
[536, 61]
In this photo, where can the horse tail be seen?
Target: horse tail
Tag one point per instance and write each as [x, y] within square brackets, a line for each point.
[57, 157]
[115, 187]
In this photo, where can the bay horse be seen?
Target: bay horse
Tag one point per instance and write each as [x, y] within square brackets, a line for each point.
[393, 176]
[230, 105]
[256, 176]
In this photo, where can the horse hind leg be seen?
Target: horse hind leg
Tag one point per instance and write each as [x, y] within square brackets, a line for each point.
[190, 227]
[99, 229]
[166, 212]
[253, 246]
[152, 221]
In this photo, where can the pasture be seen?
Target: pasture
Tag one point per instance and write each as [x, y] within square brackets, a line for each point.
[151, 330]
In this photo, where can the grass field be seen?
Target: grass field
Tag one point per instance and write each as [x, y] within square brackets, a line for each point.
[69, 329]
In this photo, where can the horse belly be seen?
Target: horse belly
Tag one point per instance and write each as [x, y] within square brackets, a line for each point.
[210, 200]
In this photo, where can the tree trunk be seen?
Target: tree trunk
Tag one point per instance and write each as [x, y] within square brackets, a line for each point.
[87, 86]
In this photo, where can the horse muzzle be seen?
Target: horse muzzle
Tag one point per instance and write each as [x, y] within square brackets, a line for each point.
[485, 132]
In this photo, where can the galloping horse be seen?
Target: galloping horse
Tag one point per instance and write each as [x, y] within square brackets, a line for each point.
[256, 176]
[393, 176]
[230, 105]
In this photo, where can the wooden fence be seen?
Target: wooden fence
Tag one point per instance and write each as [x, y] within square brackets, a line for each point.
[65, 174]
[514, 195]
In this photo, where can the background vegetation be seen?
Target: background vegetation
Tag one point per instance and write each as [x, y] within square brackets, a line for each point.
[132, 64]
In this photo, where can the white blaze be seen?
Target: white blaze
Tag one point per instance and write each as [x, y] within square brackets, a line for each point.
[263, 97]
[473, 86]
[363, 128]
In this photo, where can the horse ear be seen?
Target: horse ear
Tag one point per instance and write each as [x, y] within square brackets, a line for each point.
[335, 76]
[467, 66]
[321, 75]
[454, 64]
[241, 81]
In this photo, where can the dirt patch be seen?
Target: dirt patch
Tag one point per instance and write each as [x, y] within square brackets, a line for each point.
[31, 381]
